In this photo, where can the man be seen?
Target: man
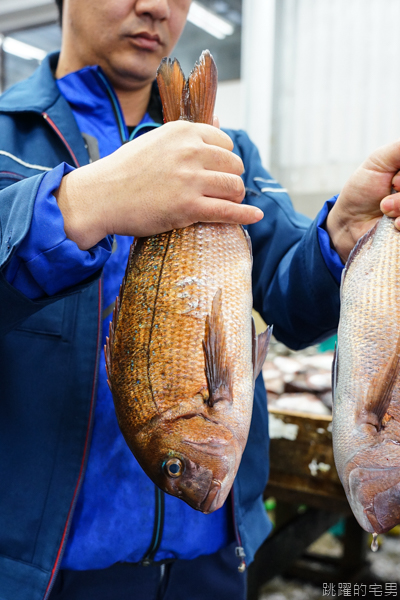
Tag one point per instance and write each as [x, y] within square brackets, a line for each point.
[79, 519]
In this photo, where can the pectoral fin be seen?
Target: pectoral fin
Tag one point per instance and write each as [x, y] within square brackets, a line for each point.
[216, 368]
[373, 409]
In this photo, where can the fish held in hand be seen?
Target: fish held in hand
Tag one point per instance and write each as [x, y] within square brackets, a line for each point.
[182, 355]
[366, 382]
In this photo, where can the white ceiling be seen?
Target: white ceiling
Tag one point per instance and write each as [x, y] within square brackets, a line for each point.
[17, 14]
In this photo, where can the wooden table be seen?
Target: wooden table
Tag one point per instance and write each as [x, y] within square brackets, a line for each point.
[303, 474]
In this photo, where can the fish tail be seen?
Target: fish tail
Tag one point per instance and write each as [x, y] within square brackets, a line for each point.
[202, 84]
[191, 100]
[173, 89]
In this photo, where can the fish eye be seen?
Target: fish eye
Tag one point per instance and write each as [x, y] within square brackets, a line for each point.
[173, 467]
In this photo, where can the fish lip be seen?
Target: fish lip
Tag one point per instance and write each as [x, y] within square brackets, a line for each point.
[367, 503]
[210, 502]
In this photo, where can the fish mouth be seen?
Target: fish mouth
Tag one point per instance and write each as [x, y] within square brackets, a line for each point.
[374, 496]
[212, 500]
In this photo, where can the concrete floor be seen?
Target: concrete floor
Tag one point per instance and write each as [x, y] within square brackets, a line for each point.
[382, 576]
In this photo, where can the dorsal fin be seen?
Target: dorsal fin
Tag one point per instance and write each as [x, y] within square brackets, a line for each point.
[373, 409]
[216, 368]
[108, 346]
[194, 99]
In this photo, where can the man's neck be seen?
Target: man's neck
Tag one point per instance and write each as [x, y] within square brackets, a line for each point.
[133, 102]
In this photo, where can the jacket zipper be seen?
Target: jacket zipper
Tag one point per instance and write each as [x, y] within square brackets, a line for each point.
[78, 486]
[239, 550]
[158, 528]
[116, 109]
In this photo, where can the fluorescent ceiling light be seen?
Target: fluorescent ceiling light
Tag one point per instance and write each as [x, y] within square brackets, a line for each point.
[200, 16]
[22, 50]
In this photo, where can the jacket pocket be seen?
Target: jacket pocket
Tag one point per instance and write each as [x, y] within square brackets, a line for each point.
[47, 321]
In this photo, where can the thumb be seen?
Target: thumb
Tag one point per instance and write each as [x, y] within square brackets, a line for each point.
[386, 159]
[216, 122]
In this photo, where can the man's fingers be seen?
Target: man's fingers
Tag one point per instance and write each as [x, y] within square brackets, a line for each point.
[216, 122]
[390, 205]
[396, 182]
[219, 159]
[214, 136]
[223, 185]
[214, 210]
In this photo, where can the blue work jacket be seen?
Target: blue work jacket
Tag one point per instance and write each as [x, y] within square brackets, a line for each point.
[49, 348]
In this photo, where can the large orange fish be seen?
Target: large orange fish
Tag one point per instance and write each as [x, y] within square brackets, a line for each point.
[182, 355]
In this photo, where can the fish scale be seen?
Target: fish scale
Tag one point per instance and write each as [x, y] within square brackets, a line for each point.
[366, 442]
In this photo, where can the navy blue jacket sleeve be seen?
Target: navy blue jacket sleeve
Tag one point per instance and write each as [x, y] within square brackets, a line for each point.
[47, 261]
[293, 289]
[16, 209]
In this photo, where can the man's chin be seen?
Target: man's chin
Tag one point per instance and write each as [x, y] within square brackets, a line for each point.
[132, 70]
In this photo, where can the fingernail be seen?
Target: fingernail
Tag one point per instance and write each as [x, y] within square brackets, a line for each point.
[387, 204]
[258, 214]
[397, 223]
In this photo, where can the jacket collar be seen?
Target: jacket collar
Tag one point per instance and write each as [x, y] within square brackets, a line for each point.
[40, 94]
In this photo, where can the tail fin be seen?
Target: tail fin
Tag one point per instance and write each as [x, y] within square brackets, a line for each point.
[173, 89]
[191, 100]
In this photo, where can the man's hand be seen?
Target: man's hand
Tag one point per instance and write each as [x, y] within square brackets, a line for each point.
[364, 197]
[171, 177]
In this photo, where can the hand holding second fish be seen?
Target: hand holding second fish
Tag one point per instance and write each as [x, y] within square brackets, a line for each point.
[366, 194]
[172, 177]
